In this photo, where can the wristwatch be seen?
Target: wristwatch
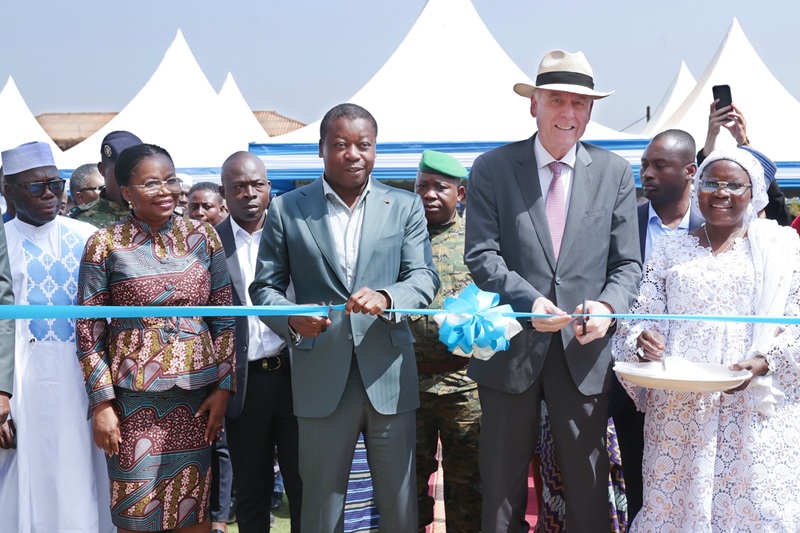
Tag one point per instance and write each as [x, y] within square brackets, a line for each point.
[296, 337]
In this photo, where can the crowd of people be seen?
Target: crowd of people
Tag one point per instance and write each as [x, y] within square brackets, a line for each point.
[151, 424]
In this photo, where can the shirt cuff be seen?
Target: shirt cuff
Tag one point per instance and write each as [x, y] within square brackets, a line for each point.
[389, 317]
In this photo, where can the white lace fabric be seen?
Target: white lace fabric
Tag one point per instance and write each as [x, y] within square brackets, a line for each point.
[712, 461]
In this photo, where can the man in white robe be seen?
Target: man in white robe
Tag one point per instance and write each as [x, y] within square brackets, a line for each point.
[56, 478]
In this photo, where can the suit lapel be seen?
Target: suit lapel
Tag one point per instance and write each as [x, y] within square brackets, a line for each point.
[376, 213]
[225, 231]
[315, 214]
[582, 178]
[527, 175]
[644, 212]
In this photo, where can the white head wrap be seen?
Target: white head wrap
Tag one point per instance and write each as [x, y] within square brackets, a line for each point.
[751, 165]
[27, 156]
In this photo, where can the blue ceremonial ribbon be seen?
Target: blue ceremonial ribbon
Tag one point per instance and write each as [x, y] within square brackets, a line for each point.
[166, 311]
[100, 311]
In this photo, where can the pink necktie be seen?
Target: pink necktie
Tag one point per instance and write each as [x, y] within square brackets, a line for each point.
[554, 206]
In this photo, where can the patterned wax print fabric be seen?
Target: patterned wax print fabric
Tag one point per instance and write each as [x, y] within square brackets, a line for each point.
[128, 264]
[712, 461]
[55, 480]
[552, 510]
[161, 478]
[157, 371]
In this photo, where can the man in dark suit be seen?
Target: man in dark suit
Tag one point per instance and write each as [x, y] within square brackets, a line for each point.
[348, 239]
[259, 416]
[666, 175]
[551, 223]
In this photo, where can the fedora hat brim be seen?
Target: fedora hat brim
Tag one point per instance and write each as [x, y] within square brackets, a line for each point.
[526, 89]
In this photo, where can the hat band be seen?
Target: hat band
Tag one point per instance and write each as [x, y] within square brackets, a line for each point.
[565, 77]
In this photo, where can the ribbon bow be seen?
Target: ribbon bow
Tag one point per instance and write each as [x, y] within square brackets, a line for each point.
[474, 325]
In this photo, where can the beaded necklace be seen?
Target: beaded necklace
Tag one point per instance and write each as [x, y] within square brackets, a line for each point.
[728, 245]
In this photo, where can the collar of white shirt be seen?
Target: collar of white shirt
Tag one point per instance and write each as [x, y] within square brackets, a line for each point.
[236, 228]
[543, 157]
[328, 191]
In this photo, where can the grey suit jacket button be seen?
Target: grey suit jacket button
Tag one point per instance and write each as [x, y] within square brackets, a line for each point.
[558, 280]
[349, 336]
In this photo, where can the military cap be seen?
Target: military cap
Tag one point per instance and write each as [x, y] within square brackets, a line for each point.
[115, 142]
[440, 163]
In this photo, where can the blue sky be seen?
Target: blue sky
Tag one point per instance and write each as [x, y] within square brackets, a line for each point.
[300, 57]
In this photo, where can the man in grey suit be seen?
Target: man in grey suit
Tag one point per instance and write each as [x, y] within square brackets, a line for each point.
[259, 416]
[348, 239]
[551, 223]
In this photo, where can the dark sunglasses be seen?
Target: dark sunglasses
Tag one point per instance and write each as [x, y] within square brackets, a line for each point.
[100, 188]
[36, 189]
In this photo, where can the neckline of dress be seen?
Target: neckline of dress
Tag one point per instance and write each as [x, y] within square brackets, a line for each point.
[729, 245]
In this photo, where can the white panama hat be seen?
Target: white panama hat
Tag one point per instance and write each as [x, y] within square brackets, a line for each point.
[563, 71]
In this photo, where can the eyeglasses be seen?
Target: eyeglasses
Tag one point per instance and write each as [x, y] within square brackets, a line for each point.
[100, 188]
[37, 189]
[711, 185]
[153, 187]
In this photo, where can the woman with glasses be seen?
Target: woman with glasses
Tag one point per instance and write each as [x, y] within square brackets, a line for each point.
[158, 387]
[721, 461]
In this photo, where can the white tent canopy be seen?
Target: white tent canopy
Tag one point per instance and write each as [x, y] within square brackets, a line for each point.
[236, 106]
[765, 103]
[18, 123]
[448, 81]
[679, 90]
[179, 110]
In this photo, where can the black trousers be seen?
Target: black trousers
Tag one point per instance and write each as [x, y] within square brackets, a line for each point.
[266, 421]
[221, 479]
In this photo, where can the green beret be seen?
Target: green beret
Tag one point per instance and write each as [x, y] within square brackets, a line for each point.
[444, 164]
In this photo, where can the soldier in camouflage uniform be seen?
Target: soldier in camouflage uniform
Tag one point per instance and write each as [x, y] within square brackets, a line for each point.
[449, 406]
[109, 207]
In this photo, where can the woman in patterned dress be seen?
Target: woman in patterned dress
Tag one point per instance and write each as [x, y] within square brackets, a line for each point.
[158, 387]
[721, 461]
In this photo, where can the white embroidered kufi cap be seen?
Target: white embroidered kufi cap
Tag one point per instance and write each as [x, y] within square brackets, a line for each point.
[27, 156]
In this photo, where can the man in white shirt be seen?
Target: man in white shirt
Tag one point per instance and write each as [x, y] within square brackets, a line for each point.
[260, 416]
[56, 478]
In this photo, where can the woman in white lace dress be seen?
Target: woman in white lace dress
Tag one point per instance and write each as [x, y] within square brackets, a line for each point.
[722, 461]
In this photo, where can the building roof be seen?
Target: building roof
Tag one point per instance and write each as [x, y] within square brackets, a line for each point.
[276, 124]
[68, 129]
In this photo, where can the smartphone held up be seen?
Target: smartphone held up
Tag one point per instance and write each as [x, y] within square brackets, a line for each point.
[723, 94]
